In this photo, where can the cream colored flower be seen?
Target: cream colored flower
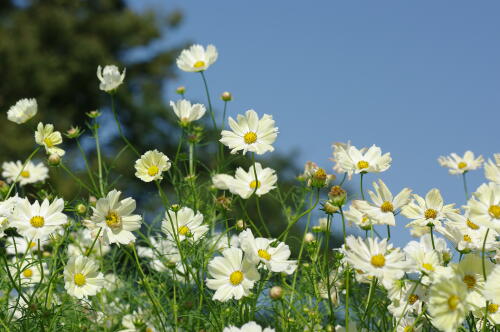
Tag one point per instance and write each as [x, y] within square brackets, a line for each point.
[248, 327]
[115, 218]
[448, 303]
[484, 206]
[7, 208]
[492, 286]
[184, 224]
[460, 165]
[137, 322]
[30, 272]
[151, 165]
[245, 184]
[186, 112]
[38, 221]
[196, 58]
[22, 111]
[358, 218]
[348, 159]
[231, 275]
[492, 169]
[470, 271]
[48, 138]
[271, 253]
[249, 133]
[110, 77]
[21, 246]
[82, 277]
[384, 206]
[31, 173]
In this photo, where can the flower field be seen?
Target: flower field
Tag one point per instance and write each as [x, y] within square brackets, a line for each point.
[208, 258]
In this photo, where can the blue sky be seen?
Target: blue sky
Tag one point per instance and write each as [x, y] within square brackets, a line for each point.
[419, 79]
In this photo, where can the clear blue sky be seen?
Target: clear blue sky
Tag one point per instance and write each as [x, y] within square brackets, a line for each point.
[419, 79]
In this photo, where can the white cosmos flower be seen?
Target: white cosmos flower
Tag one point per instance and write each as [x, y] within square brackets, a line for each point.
[484, 206]
[492, 285]
[196, 58]
[183, 224]
[22, 111]
[423, 259]
[29, 269]
[245, 184]
[82, 277]
[231, 275]
[351, 160]
[492, 169]
[37, 221]
[248, 327]
[31, 173]
[375, 258]
[137, 322]
[21, 246]
[7, 209]
[186, 112]
[384, 205]
[409, 299]
[48, 138]
[409, 324]
[460, 165]
[163, 254]
[271, 253]
[151, 165]
[448, 304]
[428, 211]
[110, 77]
[115, 218]
[249, 133]
[360, 219]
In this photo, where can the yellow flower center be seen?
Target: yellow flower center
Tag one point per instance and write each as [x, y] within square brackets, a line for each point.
[320, 174]
[453, 302]
[199, 64]
[467, 238]
[362, 164]
[408, 329]
[255, 184]
[387, 207]
[250, 137]
[430, 214]
[413, 298]
[264, 254]
[184, 230]
[25, 174]
[470, 281]
[28, 273]
[152, 170]
[462, 165]
[428, 266]
[31, 244]
[37, 221]
[471, 225]
[48, 142]
[492, 308]
[378, 260]
[149, 329]
[80, 279]
[236, 278]
[494, 211]
[113, 220]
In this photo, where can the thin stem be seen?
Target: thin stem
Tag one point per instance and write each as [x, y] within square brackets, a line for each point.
[99, 160]
[347, 277]
[87, 166]
[93, 243]
[483, 253]
[74, 177]
[120, 127]
[22, 169]
[210, 109]
[361, 186]
[191, 159]
[464, 179]
[432, 238]
[343, 222]
[388, 232]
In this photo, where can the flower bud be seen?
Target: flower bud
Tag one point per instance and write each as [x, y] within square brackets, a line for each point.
[54, 160]
[92, 200]
[73, 132]
[226, 96]
[240, 224]
[223, 203]
[175, 207]
[329, 208]
[337, 196]
[180, 90]
[309, 237]
[81, 208]
[276, 293]
[93, 114]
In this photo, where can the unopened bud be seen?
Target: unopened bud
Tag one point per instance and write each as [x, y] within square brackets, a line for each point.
[73, 132]
[81, 208]
[54, 160]
[223, 202]
[180, 90]
[309, 237]
[175, 207]
[226, 96]
[337, 196]
[94, 114]
[240, 224]
[276, 293]
[92, 200]
[329, 208]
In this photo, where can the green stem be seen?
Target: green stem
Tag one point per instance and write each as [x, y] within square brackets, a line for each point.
[465, 186]
[87, 166]
[210, 109]
[191, 159]
[484, 254]
[99, 160]
[361, 186]
[120, 127]
[347, 278]
[432, 238]
[74, 177]
[22, 169]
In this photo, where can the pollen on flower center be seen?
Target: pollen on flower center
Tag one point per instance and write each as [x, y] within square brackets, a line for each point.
[453, 302]
[428, 266]
[467, 238]
[236, 278]
[362, 164]
[199, 64]
[152, 170]
[471, 225]
[430, 214]
[408, 329]
[255, 184]
[250, 137]
[25, 174]
[494, 211]
[28, 273]
[387, 207]
[492, 308]
[378, 260]
[80, 279]
[184, 230]
[113, 220]
[462, 165]
[37, 221]
[413, 298]
[31, 244]
[470, 281]
[48, 142]
[264, 254]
